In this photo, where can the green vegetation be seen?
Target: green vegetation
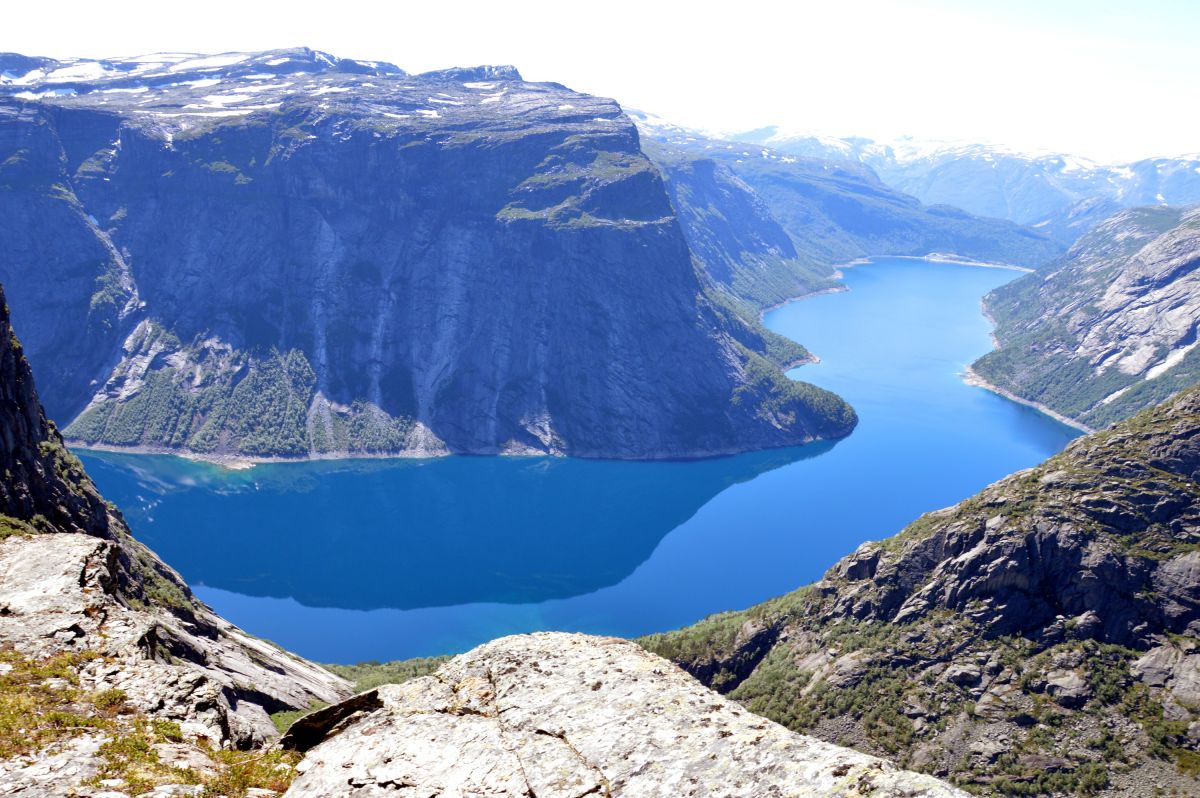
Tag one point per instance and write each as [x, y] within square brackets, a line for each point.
[779, 398]
[369, 675]
[108, 298]
[41, 704]
[10, 527]
[562, 190]
[246, 403]
[284, 719]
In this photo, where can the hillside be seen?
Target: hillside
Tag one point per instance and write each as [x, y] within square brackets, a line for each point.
[1111, 327]
[1039, 638]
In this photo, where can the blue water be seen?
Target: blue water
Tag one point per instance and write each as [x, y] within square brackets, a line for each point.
[383, 559]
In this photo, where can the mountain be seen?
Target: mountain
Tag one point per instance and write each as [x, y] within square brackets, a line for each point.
[1111, 327]
[569, 715]
[1042, 190]
[1039, 638]
[288, 254]
[770, 226]
[115, 681]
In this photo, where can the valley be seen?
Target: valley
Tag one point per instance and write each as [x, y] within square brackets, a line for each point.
[346, 561]
[594, 454]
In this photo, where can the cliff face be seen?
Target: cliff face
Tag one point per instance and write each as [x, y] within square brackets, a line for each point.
[770, 226]
[569, 715]
[44, 486]
[1038, 638]
[1111, 327]
[286, 254]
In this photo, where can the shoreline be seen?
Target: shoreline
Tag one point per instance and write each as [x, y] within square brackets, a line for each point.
[969, 375]
[238, 462]
[972, 377]
[937, 257]
[233, 462]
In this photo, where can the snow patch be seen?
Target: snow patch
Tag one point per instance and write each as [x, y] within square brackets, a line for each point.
[428, 113]
[85, 70]
[38, 95]
[202, 83]
[1171, 360]
[221, 100]
[328, 90]
[210, 62]
[479, 85]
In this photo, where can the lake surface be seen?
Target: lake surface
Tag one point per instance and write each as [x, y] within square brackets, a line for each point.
[346, 561]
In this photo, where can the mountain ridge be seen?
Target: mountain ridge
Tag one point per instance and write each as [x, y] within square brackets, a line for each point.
[1050, 191]
[1037, 638]
[285, 254]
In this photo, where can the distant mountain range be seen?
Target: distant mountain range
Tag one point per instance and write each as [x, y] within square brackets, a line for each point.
[770, 226]
[1062, 195]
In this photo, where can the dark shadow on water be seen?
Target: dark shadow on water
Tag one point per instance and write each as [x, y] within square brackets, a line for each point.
[403, 534]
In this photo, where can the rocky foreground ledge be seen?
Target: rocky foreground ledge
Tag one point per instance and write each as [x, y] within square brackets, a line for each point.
[558, 715]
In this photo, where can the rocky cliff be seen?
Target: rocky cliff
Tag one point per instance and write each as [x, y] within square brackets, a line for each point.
[102, 646]
[1111, 327]
[770, 226]
[1040, 638]
[570, 715]
[290, 254]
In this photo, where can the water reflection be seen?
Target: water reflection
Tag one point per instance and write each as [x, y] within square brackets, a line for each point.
[403, 534]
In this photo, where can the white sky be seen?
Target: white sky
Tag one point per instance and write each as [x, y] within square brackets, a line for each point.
[1107, 79]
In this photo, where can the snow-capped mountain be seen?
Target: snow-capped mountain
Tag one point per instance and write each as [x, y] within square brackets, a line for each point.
[1052, 191]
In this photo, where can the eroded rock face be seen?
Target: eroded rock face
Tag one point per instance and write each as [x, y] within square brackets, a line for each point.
[1109, 329]
[571, 715]
[61, 592]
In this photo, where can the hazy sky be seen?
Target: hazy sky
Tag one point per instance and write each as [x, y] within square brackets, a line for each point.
[1100, 78]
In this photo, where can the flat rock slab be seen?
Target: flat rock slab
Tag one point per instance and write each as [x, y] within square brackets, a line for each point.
[558, 715]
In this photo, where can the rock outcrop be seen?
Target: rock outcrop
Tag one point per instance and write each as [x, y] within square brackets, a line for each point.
[1041, 637]
[104, 632]
[570, 715]
[1112, 327]
[286, 254]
